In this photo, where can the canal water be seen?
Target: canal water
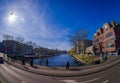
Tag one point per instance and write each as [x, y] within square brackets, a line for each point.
[57, 61]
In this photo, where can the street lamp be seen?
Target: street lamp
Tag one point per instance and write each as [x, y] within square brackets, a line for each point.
[117, 51]
[4, 49]
[109, 51]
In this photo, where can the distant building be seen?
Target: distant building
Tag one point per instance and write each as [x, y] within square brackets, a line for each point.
[2, 47]
[107, 39]
[10, 46]
[26, 49]
[89, 50]
[16, 48]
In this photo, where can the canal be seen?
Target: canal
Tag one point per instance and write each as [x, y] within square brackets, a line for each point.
[57, 61]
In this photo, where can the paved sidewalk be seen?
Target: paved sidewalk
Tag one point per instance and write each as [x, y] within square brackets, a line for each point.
[61, 72]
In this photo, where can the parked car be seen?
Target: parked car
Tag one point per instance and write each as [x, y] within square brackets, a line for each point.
[1, 60]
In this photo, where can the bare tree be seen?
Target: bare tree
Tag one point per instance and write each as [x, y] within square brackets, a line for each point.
[19, 39]
[79, 41]
[31, 43]
[18, 49]
[8, 37]
[34, 44]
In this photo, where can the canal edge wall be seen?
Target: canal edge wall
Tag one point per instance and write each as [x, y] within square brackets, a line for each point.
[79, 59]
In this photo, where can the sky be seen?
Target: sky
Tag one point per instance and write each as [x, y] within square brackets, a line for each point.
[48, 23]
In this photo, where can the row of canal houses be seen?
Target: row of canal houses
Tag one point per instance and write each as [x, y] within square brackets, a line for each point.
[16, 48]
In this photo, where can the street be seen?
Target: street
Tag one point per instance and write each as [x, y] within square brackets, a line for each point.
[10, 74]
[59, 41]
[111, 75]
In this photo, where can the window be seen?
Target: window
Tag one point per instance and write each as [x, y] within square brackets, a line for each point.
[97, 40]
[112, 39]
[112, 45]
[101, 30]
[106, 27]
[109, 34]
[98, 33]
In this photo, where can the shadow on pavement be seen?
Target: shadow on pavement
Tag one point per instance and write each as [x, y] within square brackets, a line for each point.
[25, 67]
[75, 69]
[35, 67]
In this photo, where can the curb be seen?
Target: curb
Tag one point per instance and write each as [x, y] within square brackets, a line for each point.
[71, 73]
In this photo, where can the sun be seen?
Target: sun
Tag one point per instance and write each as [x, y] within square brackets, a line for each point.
[12, 18]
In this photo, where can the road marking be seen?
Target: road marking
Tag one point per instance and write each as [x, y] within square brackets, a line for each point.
[23, 82]
[106, 81]
[74, 81]
[90, 80]
[69, 81]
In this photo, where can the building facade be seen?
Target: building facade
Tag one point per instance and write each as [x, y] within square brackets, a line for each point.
[10, 46]
[89, 50]
[16, 48]
[107, 39]
[2, 47]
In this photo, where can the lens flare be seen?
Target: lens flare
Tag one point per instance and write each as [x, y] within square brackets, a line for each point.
[12, 18]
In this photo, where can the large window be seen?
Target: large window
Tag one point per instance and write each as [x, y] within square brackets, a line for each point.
[111, 45]
[96, 40]
[112, 39]
[109, 34]
[106, 27]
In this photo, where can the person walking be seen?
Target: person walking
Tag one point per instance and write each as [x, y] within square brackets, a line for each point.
[47, 62]
[31, 63]
[67, 65]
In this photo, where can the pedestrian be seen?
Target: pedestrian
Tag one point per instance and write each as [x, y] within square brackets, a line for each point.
[23, 62]
[47, 62]
[67, 65]
[31, 63]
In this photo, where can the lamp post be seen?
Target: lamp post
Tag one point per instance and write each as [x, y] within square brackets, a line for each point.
[101, 53]
[118, 52]
[4, 49]
[109, 51]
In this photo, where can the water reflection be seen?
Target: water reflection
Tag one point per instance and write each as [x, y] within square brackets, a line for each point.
[58, 60]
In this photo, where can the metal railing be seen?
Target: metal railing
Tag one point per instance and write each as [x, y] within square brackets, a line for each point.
[57, 64]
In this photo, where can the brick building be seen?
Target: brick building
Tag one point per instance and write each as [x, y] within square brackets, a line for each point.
[107, 39]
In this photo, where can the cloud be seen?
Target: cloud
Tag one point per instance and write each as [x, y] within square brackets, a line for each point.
[33, 25]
